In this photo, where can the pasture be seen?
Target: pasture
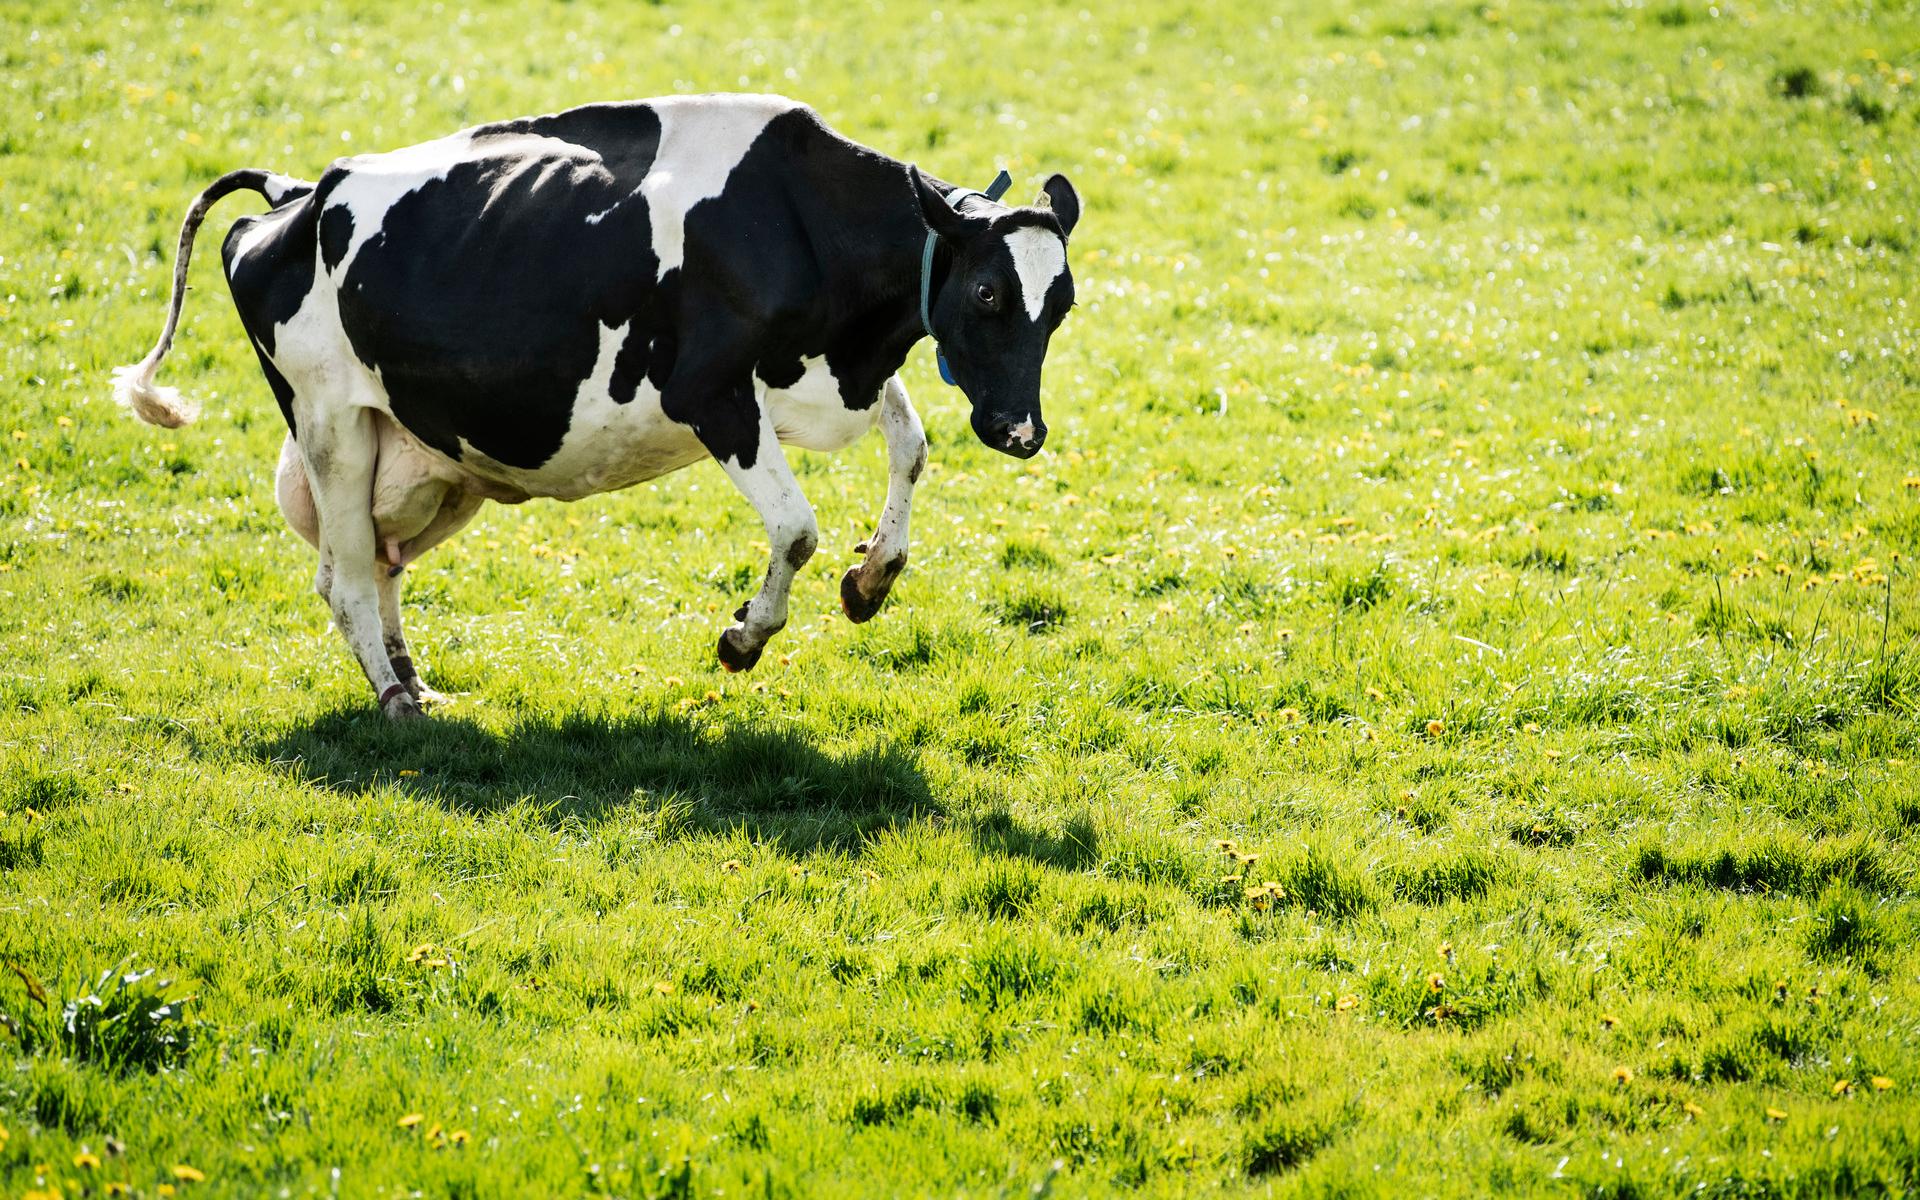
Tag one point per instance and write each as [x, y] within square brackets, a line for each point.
[1482, 494]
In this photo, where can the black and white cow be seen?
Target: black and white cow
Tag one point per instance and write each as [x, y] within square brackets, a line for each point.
[574, 303]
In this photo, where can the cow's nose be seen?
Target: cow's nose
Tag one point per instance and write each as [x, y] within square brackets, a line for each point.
[1022, 438]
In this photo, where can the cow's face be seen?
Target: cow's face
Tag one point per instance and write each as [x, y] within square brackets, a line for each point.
[1006, 292]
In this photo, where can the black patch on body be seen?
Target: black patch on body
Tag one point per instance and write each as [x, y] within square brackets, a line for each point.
[336, 232]
[481, 299]
[271, 282]
[630, 365]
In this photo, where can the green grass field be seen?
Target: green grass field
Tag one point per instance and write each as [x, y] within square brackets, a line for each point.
[1483, 491]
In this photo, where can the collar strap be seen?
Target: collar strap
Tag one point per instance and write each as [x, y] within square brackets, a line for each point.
[995, 190]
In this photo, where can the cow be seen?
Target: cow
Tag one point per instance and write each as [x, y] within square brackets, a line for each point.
[569, 304]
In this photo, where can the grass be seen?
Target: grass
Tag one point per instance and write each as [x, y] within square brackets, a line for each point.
[1483, 487]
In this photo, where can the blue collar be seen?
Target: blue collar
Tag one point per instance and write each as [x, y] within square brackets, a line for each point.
[995, 190]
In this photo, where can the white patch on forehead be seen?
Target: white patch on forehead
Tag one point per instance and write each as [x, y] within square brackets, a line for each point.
[702, 139]
[1038, 258]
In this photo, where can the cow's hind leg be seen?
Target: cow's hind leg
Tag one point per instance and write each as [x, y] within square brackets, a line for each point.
[338, 446]
[865, 587]
[456, 509]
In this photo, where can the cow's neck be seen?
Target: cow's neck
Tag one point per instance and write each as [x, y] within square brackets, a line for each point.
[873, 261]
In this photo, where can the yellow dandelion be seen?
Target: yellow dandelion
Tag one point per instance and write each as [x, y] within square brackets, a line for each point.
[1285, 635]
[1843, 1087]
[1881, 1083]
[712, 696]
[1623, 1074]
[1226, 845]
[731, 866]
[1436, 983]
[673, 681]
[1609, 1020]
[86, 1161]
[753, 1006]
[1436, 727]
[435, 1131]
[662, 987]
[1776, 1114]
[1374, 693]
[796, 870]
[459, 1137]
[1445, 950]
[1693, 1111]
[1288, 716]
[119, 1187]
[1231, 878]
[1346, 1002]
[187, 1174]
[165, 1189]
[411, 1119]
[870, 875]
[1911, 483]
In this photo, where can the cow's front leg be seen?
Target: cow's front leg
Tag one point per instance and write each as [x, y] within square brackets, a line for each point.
[738, 431]
[865, 587]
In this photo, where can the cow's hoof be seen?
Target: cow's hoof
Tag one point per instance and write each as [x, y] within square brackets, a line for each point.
[402, 708]
[854, 602]
[733, 658]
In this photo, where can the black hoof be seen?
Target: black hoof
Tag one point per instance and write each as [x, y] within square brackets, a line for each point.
[858, 608]
[734, 658]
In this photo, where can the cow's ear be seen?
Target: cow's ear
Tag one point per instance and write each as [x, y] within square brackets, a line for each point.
[1058, 194]
[936, 212]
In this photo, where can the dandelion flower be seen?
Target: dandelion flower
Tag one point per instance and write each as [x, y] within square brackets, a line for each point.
[1288, 715]
[1609, 1020]
[1285, 635]
[1436, 727]
[1374, 693]
[1843, 1087]
[459, 1137]
[86, 1161]
[1623, 1075]
[663, 988]
[1227, 845]
[731, 866]
[411, 1119]
[1346, 1002]
[1693, 1111]
[1445, 950]
[753, 1006]
[1881, 1083]
[187, 1174]
[1436, 983]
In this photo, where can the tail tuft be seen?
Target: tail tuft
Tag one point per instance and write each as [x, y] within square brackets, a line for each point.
[134, 388]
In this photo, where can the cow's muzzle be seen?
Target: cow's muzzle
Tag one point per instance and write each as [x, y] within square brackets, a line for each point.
[1022, 438]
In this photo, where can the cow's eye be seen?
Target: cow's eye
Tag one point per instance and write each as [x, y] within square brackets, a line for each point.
[984, 294]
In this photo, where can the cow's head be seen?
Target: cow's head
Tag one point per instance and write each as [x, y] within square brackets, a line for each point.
[1006, 291]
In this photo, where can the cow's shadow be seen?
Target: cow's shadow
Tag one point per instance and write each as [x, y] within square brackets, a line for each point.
[685, 776]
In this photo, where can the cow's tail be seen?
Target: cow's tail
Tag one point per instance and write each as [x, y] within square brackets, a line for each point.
[133, 386]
